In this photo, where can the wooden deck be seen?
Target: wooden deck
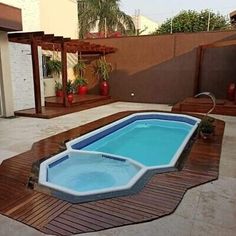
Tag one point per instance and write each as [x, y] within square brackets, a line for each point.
[158, 198]
[54, 106]
[78, 100]
[203, 105]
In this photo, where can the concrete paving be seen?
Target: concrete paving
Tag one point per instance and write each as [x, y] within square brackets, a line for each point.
[209, 209]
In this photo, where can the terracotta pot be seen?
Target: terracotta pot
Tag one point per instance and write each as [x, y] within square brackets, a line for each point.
[104, 88]
[70, 98]
[82, 90]
[231, 91]
[59, 93]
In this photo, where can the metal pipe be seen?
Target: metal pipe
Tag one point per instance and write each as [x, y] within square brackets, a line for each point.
[211, 95]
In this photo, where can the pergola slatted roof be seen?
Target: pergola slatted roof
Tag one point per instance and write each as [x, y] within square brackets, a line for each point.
[52, 42]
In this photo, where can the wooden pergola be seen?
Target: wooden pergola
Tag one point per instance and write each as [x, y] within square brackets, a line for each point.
[200, 55]
[58, 43]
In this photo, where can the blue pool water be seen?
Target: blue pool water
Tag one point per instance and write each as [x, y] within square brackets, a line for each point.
[118, 157]
[150, 142]
[90, 173]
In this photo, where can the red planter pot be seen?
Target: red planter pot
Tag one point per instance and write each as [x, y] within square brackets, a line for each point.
[82, 90]
[231, 91]
[70, 98]
[59, 93]
[104, 88]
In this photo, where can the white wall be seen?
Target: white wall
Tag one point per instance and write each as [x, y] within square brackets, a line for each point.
[6, 106]
[22, 76]
[30, 13]
[59, 17]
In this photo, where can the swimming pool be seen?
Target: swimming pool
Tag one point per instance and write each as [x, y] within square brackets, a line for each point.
[118, 157]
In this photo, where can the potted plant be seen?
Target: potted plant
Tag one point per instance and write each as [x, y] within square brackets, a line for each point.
[58, 89]
[103, 70]
[231, 92]
[53, 67]
[206, 127]
[80, 82]
[69, 91]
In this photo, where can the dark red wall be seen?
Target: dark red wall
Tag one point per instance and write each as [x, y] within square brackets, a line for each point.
[10, 18]
[218, 70]
[162, 69]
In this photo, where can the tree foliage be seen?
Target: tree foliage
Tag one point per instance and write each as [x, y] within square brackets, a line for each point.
[104, 14]
[193, 21]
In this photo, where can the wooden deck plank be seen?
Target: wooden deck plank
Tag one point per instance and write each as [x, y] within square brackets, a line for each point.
[87, 222]
[71, 221]
[111, 219]
[109, 214]
[159, 197]
[52, 214]
[88, 218]
[56, 228]
[53, 110]
[40, 211]
[29, 207]
[203, 105]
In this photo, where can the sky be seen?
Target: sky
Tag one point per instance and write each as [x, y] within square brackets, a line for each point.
[159, 10]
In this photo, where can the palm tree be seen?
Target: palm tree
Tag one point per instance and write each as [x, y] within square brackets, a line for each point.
[104, 13]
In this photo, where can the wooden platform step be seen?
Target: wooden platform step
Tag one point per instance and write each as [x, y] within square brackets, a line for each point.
[78, 100]
[203, 105]
[51, 112]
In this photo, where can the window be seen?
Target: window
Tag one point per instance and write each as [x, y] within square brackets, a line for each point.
[46, 73]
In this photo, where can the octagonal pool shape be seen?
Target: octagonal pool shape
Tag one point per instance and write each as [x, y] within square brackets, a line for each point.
[118, 158]
[80, 176]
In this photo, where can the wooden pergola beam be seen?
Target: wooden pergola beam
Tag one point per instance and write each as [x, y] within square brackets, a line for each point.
[52, 42]
[25, 34]
[59, 43]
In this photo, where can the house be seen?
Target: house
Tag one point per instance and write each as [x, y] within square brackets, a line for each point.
[57, 17]
[233, 18]
[144, 25]
[16, 77]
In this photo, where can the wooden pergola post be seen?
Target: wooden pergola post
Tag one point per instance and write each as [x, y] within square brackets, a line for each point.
[48, 42]
[199, 59]
[64, 72]
[36, 75]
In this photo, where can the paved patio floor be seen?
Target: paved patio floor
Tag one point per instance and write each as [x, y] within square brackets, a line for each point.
[209, 209]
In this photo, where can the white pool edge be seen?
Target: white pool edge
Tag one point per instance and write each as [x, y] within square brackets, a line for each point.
[143, 169]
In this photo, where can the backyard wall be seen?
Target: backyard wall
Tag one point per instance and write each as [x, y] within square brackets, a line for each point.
[218, 70]
[162, 69]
